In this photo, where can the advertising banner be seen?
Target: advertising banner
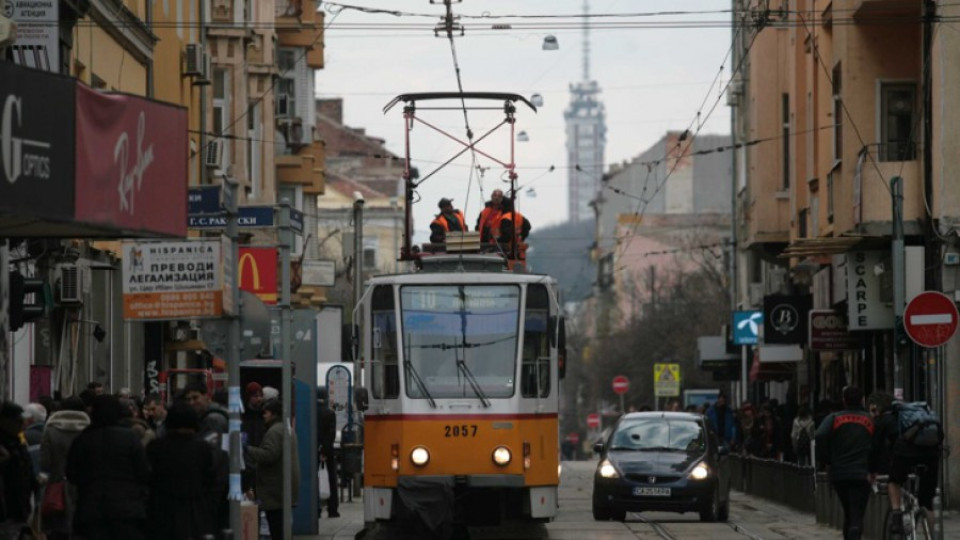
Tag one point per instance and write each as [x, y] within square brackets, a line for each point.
[38, 33]
[257, 272]
[829, 332]
[172, 280]
[131, 163]
[866, 309]
[36, 144]
[785, 318]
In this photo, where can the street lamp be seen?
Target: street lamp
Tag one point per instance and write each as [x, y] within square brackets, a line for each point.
[537, 100]
[523, 137]
[550, 43]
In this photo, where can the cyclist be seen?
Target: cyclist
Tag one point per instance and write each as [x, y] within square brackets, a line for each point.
[900, 457]
[843, 443]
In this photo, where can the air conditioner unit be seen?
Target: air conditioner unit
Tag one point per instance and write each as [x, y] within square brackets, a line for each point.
[284, 105]
[194, 63]
[213, 158]
[69, 289]
[205, 76]
[755, 293]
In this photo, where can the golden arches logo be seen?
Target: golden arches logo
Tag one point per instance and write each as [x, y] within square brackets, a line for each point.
[253, 265]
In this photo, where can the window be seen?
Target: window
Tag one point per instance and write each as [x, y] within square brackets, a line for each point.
[802, 223]
[837, 113]
[254, 150]
[535, 374]
[383, 343]
[371, 246]
[785, 138]
[287, 82]
[898, 118]
[814, 217]
[221, 108]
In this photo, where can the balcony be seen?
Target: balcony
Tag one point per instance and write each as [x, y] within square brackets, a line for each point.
[871, 207]
[298, 24]
[304, 167]
[864, 10]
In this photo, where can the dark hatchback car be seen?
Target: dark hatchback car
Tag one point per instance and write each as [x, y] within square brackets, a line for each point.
[664, 461]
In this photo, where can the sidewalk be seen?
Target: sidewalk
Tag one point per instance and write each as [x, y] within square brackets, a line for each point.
[345, 527]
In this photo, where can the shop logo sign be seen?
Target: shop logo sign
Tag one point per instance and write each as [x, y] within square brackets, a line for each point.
[21, 157]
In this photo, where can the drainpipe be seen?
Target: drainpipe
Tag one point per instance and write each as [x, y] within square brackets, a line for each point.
[149, 22]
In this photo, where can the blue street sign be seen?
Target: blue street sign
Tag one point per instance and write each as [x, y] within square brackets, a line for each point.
[203, 200]
[746, 327]
[250, 216]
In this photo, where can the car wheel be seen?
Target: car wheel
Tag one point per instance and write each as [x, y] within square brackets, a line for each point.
[711, 508]
[618, 515]
[600, 512]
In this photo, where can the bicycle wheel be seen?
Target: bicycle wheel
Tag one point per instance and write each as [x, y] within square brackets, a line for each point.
[889, 526]
[922, 525]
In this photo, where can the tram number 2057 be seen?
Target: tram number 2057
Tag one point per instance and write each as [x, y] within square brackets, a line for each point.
[463, 430]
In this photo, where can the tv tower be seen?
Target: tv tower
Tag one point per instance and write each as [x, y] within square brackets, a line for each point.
[586, 127]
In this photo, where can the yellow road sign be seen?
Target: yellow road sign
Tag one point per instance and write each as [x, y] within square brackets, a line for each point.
[666, 380]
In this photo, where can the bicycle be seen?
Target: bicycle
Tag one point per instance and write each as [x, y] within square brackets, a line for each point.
[915, 523]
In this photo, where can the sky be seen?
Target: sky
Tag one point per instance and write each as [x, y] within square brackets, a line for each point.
[654, 77]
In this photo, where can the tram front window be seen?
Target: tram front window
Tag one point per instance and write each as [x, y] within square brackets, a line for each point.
[460, 341]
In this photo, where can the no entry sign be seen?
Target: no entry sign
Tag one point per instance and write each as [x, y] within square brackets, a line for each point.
[620, 385]
[930, 319]
[593, 420]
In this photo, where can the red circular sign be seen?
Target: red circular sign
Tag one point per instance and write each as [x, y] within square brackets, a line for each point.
[620, 384]
[573, 437]
[930, 319]
[593, 420]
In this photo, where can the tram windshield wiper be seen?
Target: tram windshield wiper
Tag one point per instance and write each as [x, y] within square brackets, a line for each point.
[416, 378]
[473, 382]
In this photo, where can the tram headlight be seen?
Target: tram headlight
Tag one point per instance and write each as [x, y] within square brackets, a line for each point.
[502, 456]
[419, 456]
[700, 472]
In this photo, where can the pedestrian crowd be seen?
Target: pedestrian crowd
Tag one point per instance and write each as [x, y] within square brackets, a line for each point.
[101, 466]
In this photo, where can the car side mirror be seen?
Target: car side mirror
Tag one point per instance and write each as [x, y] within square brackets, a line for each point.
[598, 448]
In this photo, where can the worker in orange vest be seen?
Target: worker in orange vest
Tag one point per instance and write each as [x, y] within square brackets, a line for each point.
[447, 220]
[490, 215]
[503, 229]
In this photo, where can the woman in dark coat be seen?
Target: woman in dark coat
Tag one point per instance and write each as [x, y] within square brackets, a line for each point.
[108, 465]
[182, 475]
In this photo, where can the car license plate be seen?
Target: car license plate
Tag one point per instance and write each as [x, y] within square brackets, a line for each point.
[651, 492]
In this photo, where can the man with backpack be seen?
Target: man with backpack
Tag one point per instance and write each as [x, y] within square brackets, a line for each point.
[908, 435]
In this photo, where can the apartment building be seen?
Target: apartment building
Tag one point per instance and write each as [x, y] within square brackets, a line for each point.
[839, 105]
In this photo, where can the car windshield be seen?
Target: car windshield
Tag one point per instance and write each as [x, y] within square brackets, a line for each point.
[460, 340]
[677, 435]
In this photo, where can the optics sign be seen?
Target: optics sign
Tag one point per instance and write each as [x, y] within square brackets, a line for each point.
[172, 280]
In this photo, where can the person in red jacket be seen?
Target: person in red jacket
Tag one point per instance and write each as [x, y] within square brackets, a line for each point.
[447, 220]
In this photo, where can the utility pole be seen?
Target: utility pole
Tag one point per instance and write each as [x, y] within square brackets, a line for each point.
[357, 274]
[734, 292]
[286, 317]
[896, 254]
[235, 402]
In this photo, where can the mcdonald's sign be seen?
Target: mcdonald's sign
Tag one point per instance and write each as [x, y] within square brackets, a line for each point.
[257, 272]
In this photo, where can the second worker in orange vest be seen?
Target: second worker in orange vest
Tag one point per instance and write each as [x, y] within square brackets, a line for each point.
[490, 215]
[447, 220]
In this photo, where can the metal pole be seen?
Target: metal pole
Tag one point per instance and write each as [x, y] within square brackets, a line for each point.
[357, 275]
[233, 353]
[734, 293]
[896, 254]
[286, 316]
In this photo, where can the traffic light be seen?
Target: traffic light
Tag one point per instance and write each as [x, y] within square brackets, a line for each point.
[21, 311]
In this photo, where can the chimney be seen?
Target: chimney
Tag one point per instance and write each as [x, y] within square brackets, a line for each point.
[331, 108]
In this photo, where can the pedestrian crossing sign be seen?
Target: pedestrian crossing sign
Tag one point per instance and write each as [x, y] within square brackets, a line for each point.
[666, 380]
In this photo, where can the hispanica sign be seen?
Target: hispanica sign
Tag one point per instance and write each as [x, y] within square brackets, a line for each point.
[172, 280]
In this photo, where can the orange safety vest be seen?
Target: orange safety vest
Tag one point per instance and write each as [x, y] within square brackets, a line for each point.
[488, 217]
[507, 216]
[442, 221]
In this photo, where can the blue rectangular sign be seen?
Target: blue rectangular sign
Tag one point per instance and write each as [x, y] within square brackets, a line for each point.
[203, 200]
[296, 220]
[250, 216]
[746, 326]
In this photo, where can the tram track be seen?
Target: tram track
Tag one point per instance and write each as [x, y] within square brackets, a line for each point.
[663, 532]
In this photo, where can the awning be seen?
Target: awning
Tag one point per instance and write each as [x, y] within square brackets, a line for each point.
[814, 247]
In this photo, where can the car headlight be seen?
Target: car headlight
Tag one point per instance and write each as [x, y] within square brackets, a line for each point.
[419, 456]
[501, 456]
[700, 472]
[607, 470]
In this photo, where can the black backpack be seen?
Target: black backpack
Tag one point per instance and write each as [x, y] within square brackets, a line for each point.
[918, 425]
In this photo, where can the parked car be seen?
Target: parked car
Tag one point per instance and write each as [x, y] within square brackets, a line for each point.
[664, 461]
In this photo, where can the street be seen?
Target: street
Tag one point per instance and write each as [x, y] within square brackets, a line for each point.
[750, 517]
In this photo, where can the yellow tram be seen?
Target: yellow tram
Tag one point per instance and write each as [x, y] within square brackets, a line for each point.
[462, 364]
